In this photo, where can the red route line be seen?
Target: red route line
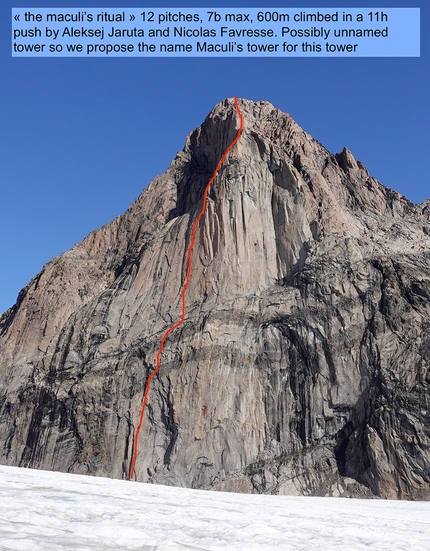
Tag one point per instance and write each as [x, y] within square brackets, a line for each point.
[185, 287]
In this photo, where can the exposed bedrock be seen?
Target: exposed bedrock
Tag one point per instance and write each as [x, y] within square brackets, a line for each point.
[302, 364]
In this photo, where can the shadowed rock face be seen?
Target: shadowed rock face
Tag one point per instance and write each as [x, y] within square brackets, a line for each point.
[302, 365]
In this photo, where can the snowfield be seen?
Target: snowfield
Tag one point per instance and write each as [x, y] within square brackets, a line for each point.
[44, 511]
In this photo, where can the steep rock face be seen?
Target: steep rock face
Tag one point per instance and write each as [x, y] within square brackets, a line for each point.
[302, 364]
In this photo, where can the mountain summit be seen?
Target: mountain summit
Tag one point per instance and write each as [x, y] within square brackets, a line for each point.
[302, 363]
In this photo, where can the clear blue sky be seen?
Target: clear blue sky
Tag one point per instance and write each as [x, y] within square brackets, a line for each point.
[80, 138]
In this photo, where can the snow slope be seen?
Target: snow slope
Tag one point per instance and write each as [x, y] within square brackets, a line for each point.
[44, 511]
